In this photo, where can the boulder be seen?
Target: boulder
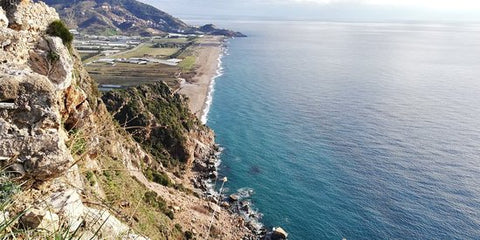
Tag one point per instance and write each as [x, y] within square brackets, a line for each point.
[234, 197]
[278, 234]
[110, 227]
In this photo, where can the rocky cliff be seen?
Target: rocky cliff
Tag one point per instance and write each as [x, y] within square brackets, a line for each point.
[69, 169]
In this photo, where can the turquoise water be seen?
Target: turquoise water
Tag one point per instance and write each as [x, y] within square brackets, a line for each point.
[361, 131]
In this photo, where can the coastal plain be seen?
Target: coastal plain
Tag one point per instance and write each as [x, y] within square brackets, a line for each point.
[191, 77]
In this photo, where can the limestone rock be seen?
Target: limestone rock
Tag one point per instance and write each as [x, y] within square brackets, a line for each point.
[76, 107]
[3, 19]
[25, 15]
[52, 59]
[40, 96]
[39, 218]
[111, 227]
[68, 204]
[32, 130]
[15, 46]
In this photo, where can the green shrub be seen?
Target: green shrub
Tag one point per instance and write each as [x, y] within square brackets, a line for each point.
[152, 199]
[53, 56]
[178, 227]
[170, 214]
[59, 29]
[7, 189]
[188, 235]
[160, 178]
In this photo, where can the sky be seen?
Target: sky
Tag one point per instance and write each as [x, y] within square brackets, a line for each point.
[335, 10]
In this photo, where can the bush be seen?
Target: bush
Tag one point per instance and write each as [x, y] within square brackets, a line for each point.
[170, 214]
[152, 199]
[7, 189]
[178, 227]
[53, 56]
[59, 29]
[160, 178]
[188, 235]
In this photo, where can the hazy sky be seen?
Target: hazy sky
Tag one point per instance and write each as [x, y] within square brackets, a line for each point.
[350, 10]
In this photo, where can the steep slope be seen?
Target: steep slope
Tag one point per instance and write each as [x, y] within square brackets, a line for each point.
[79, 172]
[123, 16]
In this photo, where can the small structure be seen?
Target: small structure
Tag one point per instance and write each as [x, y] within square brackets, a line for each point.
[174, 60]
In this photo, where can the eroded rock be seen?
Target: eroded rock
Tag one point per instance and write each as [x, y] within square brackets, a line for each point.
[25, 15]
[52, 59]
[31, 131]
[14, 46]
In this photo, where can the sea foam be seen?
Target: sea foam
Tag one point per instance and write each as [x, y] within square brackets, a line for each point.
[211, 87]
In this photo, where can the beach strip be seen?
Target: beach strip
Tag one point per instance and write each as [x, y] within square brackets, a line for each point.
[207, 66]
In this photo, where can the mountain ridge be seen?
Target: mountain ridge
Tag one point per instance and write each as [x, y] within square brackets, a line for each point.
[129, 17]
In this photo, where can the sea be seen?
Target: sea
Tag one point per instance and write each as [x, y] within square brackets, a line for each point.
[353, 130]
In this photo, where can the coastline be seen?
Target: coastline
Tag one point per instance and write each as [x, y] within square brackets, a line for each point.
[199, 91]
[207, 68]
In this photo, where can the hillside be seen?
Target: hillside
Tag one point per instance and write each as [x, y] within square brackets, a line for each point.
[130, 17]
[72, 170]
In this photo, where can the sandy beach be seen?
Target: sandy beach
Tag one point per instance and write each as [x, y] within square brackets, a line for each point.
[206, 65]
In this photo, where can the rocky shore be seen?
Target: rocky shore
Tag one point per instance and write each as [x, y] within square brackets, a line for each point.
[206, 179]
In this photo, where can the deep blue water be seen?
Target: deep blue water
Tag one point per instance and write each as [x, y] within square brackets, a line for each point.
[361, 131]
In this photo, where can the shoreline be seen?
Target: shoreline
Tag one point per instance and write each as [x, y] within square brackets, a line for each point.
[200, 93]
[208, 67]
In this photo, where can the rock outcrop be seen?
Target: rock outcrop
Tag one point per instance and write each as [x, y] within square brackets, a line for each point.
[31, 128]
[31, 132]
[41, 96]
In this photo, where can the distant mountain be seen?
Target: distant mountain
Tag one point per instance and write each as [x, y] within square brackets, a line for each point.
[108, 17]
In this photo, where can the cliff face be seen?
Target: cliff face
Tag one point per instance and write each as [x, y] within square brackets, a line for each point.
[40, 95]
[78, 169]
[31, 129]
